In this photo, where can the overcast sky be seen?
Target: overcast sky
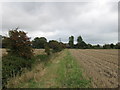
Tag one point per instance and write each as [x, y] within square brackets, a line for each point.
[96, 22]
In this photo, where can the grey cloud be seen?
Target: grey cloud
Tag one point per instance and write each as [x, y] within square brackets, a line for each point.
[95, 22]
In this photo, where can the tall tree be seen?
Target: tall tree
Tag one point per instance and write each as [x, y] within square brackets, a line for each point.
[112, 45]
[39, 42]
[80, 43]
[79, 39]
[71, 41]
[55, 45]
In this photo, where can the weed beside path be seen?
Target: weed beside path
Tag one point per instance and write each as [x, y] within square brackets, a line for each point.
[61, 71]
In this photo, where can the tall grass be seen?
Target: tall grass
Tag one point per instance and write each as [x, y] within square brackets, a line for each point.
[13, 65]
[60, 71]
[29, 74]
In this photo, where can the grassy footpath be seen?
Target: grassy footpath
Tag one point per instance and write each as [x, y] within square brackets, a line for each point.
[61, 71]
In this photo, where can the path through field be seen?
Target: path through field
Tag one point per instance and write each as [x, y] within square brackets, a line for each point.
[59, 71]
[100, 65]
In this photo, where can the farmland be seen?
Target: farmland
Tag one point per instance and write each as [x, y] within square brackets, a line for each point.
[36, 52]
[100, 66]
[59, 44]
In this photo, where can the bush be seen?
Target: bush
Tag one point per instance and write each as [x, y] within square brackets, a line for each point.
[56, 46]
[47, 49]
[19, 44]
[12, 65]
[20, 55]
[39, 42]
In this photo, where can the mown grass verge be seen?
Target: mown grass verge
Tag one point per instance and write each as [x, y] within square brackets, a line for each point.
[60, 71]
[71, 74]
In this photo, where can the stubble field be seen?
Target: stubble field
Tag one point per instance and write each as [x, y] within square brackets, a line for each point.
[36, 52]
[100, 65]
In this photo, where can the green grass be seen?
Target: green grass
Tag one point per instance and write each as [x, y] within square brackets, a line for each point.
[42, 57]
[71, 74]
[62, 71]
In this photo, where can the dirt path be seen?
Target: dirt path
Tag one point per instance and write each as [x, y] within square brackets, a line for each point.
[101, 65]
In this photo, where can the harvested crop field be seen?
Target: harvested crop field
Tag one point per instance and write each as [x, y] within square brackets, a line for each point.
[100, 65]
[39, 51]
[2, 52]
[36, 52]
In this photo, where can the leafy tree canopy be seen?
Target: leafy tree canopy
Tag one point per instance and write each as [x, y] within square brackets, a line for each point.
[39, 42]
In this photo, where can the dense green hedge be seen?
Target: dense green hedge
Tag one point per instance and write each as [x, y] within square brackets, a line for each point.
[13, 65]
